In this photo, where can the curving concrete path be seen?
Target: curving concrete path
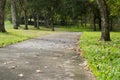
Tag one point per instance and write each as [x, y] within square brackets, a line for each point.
[50, 57]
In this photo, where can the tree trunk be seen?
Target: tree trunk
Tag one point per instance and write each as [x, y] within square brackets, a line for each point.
[47, 23]
[111, 26]
[25, 15]
[63, 23]
[81, 21]
[85, 20]
[94, 23]
[52, 24]
[37, 21]
[14, 14]
[99, 23]
[104, 20]
[26, 20]
[2, 13]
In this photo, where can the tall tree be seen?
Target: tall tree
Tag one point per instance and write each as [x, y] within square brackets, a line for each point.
[114, 8]
[2, 13]
[36, 10]
[105, 36]
[14, 14]
[23, 4]
[52, 7]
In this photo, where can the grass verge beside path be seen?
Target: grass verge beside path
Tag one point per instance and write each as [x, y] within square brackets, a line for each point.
[73, 28]
[13, 36]
[103, 57]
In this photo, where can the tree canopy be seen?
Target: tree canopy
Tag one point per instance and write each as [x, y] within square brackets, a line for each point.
[62, 12]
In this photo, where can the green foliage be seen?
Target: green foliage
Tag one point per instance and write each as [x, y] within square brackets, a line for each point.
[103, 57]
[74, 28]
[114, 6]
[13, 36]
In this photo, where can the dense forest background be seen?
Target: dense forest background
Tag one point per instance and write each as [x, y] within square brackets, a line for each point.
[81, 13]
[63, 12]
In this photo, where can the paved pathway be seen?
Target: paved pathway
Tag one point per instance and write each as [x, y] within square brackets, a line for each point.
[50, 57]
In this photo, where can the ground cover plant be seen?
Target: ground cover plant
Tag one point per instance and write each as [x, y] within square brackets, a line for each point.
[103, 58]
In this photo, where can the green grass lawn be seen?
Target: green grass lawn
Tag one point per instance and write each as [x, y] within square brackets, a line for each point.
[103, 57]
[74, 28]
[13, 36]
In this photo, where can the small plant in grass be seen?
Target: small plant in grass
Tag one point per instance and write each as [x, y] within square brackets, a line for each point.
[103, 57]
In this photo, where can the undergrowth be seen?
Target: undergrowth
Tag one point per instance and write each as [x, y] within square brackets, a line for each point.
[103, 57]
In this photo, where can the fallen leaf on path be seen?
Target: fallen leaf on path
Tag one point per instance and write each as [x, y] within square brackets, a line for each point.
[39, 71]
[8, 62]
[75, 49]
[80, 64]
[12, 67]
[71, 48]
[76, 43]
[74, 57]
[59, 55]
[60, 66]
[85, 63]
[70, 74]
[37, 55]
[85, 66]
[26, 62]
[20, 75]
[54, 58]
[5, 63]
[45, 67]
[73, 60]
